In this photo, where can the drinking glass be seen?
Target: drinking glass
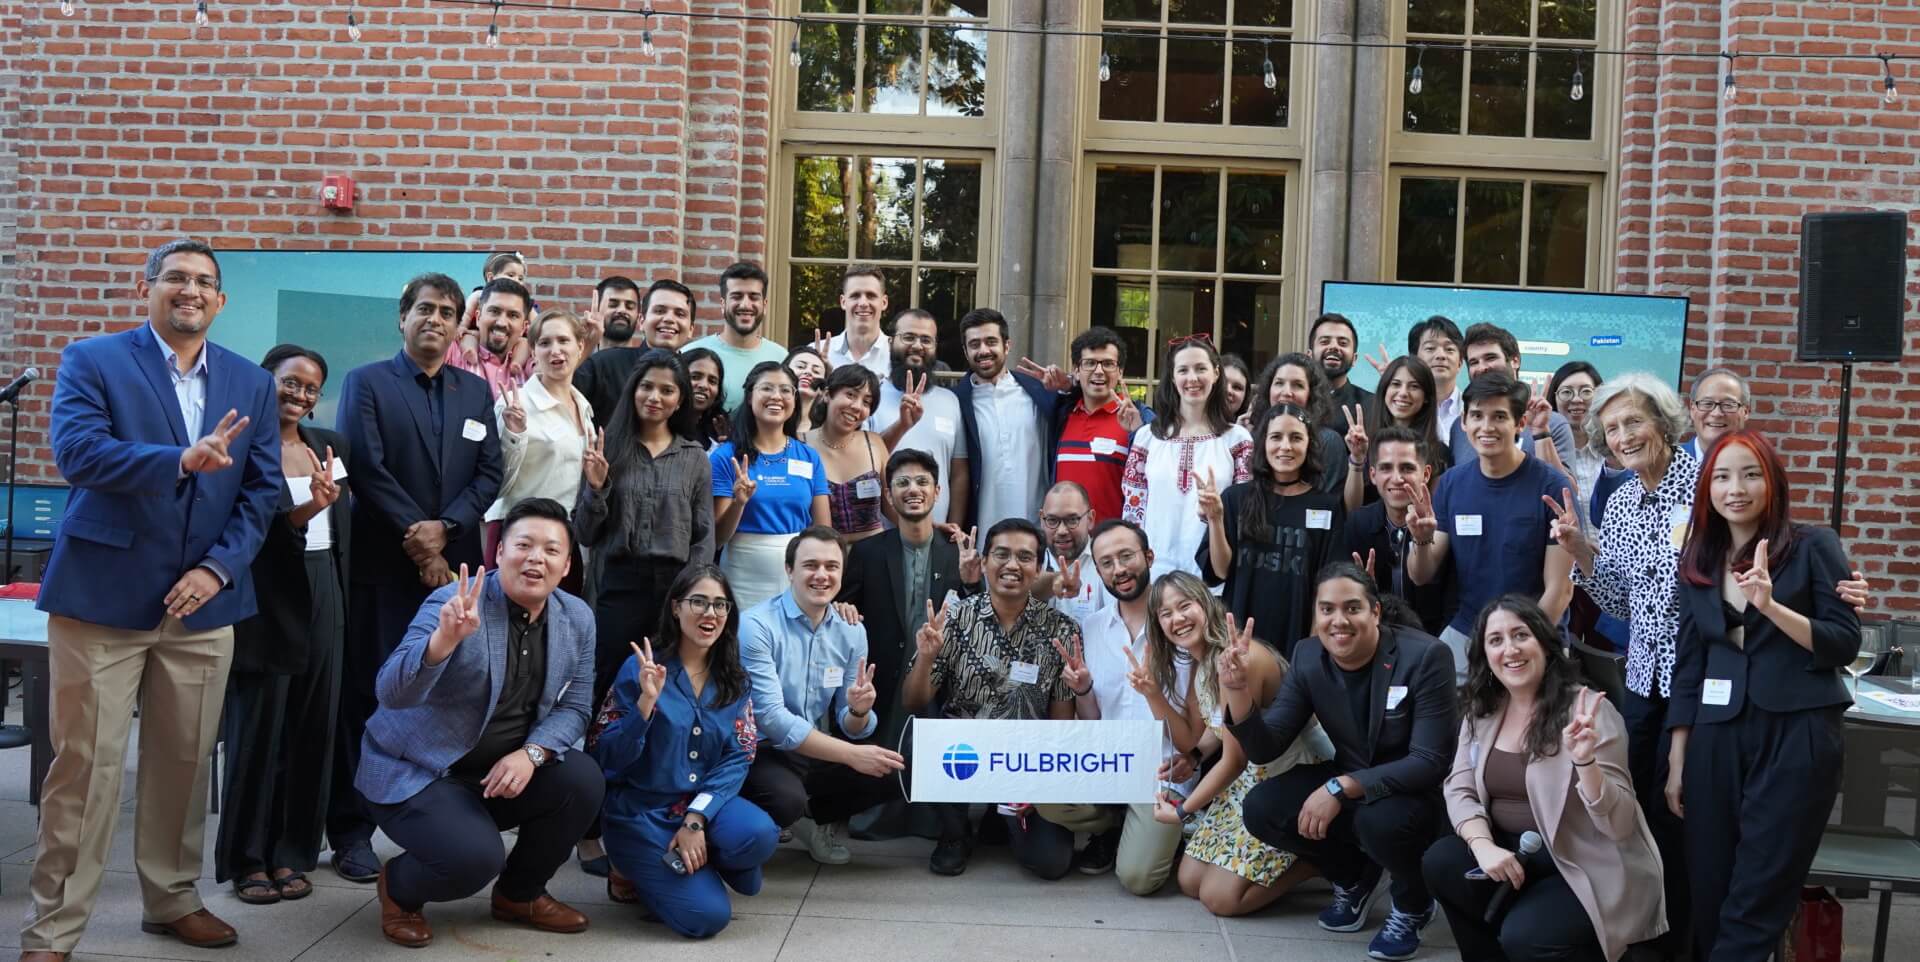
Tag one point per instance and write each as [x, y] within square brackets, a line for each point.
[1874, 642]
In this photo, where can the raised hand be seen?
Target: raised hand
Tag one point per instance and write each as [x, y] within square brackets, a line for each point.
[460, 614]
[1539, 416]
[1210, 508]
[1566, 524]
[1074, 665]
[1129, 414]
[210, 452]
[822, 341]
[1580, 737]
[593, 460]
[1139, 676]
[1356, 434]
[1232, 664]
[594, 326]
[1367, 563]
[1050, 376]
[971, 570]
[1756, 583]
[912, 402]
[325, 490]
[1380, 364]
[743, 483]
[514, 415]
[653, 676]
[861, 694]
[1422, 524]
[1067, 585]
[932, 635]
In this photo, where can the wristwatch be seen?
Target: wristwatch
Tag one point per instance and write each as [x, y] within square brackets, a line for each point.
[693, 826]
[535, 753]
[1337, 790]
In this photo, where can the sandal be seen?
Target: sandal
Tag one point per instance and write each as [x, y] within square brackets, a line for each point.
[285, 885]
[255, 891]
[620, 889]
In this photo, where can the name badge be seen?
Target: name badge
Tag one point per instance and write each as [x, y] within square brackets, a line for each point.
[700, 802]
[951, 601]
[1719, 691]
[1320, 518]
[799, 468]
[1219, 717]
[1025, 672]
[832, 677]
[1395, 695]
[1106, 446]
[944, 426]
[1466, 525]
[1681, 521]
[867, 488]
[473, 430]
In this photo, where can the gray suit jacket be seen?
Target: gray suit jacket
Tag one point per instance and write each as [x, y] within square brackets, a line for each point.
[430, 716]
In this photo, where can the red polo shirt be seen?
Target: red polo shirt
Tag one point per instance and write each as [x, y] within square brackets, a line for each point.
[1093, 453]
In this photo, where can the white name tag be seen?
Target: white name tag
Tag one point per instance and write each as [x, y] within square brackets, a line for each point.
[1319, 518]
[1395, 695]
[700, 802]
[1106, 446]
[1025, 672]
[832, 677]
[1719, 691]
[799, 468]
[1466, 525]
[1681, 520]
[867, 488]
[473, 430]
[943, 425]
[951, 601]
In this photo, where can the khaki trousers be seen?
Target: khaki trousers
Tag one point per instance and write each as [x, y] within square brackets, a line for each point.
[1147, 847]
[180, 677]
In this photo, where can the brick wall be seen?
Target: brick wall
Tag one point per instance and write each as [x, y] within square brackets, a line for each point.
[131, 127]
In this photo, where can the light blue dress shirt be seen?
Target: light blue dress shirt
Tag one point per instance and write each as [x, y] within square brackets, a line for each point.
[788, 663]
[190, 391]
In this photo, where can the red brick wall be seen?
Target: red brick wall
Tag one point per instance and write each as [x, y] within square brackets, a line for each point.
[1711, 198]
[130, 127]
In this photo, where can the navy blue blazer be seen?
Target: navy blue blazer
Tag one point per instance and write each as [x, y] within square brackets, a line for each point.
[403, 473]
[133, 525]
[1047, 403]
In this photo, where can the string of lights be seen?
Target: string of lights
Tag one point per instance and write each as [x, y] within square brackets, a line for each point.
[1576, 89]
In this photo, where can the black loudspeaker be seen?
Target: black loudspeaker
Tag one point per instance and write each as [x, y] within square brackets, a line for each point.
[1853, 280]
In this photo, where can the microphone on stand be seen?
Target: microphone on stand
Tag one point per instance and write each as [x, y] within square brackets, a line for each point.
[12, 390]
[1530, 842]
[10, 395]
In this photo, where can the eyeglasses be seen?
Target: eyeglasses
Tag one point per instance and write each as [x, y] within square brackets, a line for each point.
[1056, 522]
[1099, 364]
[297, 389]
[909, 481]
[1575, 394]
[1004, 555]
[183, 279]
[914, 340]
[703, 604]
[1724, 405]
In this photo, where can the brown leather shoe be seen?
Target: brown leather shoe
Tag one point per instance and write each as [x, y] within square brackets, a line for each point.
[620, 888]
[545, 913]
[42, 955]
[400, 926]
[202, 930]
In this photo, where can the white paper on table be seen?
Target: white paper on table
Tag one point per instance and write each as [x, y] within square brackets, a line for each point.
[1894, 700]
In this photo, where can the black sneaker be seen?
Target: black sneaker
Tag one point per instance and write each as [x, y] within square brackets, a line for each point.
[950, 857]
[1102, 850]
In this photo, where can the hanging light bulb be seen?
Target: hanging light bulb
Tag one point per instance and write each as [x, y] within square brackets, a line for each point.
[1729, 90]
[200, 13]
[353, 27]
[1267, 77]
[793, 50]
[1891, 94]
[493, 35]
[1417, 82]
[1578, 91]
[1106, 67]
[66, 8]
[646, 43]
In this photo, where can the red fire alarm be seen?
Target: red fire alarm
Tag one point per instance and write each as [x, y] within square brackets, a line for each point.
[336, 192]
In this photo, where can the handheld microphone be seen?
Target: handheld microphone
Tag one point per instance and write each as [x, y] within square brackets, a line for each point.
[1530, 842]
[11, 391]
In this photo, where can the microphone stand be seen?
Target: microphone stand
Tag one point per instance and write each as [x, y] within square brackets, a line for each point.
[13, 465]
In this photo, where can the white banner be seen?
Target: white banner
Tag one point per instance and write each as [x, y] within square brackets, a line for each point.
[1107, 762]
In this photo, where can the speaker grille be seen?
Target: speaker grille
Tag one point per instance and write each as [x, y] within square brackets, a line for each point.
[1853, 279]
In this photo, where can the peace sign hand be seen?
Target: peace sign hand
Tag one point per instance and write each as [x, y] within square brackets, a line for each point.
[1356, 434]
[653, 676]
[1756, 582]
[1139, 676]
[1539, 416]
[932, 635]
[325, 492]
[210, 453]
[1067, 585]
[821, 342]
[514, 414]
[1566, 524]
[912, 407]
[1128, 415]
[1231, 665]
[1580, 737]
[861, 694]
[593, 461]
[1209, 492]
[970, 567]
[1074, 665]
[1367, 563]
[1422, 524]
[743, 484]
[1380, 364]
[1050, 377]
[460, 615]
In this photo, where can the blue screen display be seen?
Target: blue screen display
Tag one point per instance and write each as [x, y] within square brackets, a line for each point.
[1613, 332]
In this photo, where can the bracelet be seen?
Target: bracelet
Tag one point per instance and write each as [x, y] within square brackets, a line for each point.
[1358, 463]
[1470, 839]
[1082, 694]
[1579, 765]
[1543, 437]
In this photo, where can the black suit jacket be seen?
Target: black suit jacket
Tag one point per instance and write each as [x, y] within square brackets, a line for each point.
[1771, 670]
[403, 472]
[277, 639]
[1404, 750]
[873, 585]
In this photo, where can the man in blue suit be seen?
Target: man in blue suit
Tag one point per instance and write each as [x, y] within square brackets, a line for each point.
[427, 463]
[479, 709]
[150, 569]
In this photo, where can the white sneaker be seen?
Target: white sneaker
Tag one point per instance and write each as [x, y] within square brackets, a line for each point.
[822, 841]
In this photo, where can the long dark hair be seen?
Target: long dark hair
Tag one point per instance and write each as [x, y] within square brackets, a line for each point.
[1253, 508]
[1319, 392]
[855, 376]
[623, 429]
[1426, 421]
[745, 427]
[1166, 396]
[1484, 693]
[724, 670]
[711, 423]
[1710, 539]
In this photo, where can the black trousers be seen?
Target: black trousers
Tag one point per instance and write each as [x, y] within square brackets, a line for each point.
[1393, 832]
[789, 786]
[1544, 922]
[1758, 791]
[1647, 744]
[377, 618]
[452, 835]
[279, 731]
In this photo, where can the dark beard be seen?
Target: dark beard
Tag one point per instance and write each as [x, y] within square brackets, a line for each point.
[1337, 373]
[620, 334]
[1140, 587]
[733, 324]
[901, 368]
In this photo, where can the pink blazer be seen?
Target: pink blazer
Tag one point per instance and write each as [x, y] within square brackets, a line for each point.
[1602, 846]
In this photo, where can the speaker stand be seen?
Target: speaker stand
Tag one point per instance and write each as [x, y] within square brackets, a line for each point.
[1840, 447]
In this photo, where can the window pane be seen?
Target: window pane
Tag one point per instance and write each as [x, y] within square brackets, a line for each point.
[826, 67]
[1491, 241]
[1437, 16]
[957, 82]
[1555, 113]
[1250, 321]
[1184, 306]
[815, 294]
[1133, 88]
[1263, 13]
[950, 210]
[822, 195]
[960, 8]
[1499, 93]
[1123, 218]
[1429, 212]
[1256, 221]
[1502, 18]
[1253, 104]
[1197, 11]
[890, 83]
[907, 8]
[1567, 19]
[1125, 304]
[1436, 108]
[886, 209]
[948, 294]
[1189, 220]
[1147, 10]
[829, 6]
[1557, 247]
[1194, 81]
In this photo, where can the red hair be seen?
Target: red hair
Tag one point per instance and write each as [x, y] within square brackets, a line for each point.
[1705, 554]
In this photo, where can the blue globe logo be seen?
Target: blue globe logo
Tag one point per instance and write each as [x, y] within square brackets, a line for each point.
[960, 761]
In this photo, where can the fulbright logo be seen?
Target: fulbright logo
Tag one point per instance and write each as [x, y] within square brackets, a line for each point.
[960, 761]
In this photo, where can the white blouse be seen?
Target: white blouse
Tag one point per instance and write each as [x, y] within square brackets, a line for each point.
[546, 460]
[1169, 467]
